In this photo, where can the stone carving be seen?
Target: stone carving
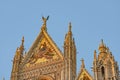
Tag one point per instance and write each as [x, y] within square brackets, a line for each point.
[42, 52]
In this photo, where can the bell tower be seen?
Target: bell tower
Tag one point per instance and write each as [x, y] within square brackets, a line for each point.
[104, 66]
[70, 55]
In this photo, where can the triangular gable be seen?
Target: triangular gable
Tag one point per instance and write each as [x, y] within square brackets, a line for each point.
[43, 50]
[84, 75]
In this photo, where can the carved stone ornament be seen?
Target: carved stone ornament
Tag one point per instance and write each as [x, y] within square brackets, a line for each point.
[42, 52]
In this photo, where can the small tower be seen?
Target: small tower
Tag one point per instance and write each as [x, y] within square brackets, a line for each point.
[70, 55]
[105, 67]
[17, 60]
[95, 66]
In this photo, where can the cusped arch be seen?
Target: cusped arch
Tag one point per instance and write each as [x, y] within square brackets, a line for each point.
[44, 77]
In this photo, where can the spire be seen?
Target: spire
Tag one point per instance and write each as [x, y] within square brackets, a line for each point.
[68, 36]
[70, 55]
[82, 65]
[44, 23]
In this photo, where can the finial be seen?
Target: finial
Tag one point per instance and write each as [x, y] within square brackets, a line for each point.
[102, 41]
[95, 54]
[83, 65]
[45, 19]
[21, 48]
[70, 26]
[102, 46]
[70, 30]
[23, 40]
[44, 22]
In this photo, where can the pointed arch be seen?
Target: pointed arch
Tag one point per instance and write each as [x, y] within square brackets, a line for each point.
[103, 71]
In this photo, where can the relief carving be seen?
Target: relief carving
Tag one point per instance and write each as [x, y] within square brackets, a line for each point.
[42, 52]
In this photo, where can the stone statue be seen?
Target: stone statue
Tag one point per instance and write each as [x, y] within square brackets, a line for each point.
[45, 20]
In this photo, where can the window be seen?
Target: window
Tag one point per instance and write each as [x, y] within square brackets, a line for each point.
[103, 72]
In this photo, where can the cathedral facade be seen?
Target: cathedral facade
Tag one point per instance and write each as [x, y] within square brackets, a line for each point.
[45, 61]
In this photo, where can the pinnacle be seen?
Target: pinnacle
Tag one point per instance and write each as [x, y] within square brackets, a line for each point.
[102, 43]
[70, 29]
[95, 54]
[23, 40]
[70, 26]
[102, 46]
[95, 51]
[82, 65]
[22, 44]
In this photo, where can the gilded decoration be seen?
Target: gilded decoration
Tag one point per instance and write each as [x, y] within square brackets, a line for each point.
[45, 61]
[84, 76]
[43, 53]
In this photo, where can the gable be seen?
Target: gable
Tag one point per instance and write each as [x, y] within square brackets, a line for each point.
[84, 75]
[43, 51]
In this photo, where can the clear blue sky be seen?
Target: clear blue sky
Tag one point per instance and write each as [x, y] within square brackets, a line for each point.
[92, 20]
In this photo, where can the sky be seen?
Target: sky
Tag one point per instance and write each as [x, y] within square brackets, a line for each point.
[92, 20]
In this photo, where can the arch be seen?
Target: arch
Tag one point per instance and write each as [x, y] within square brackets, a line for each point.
[103, 72]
